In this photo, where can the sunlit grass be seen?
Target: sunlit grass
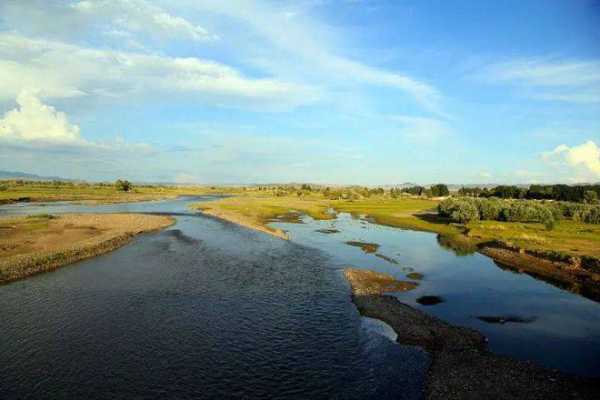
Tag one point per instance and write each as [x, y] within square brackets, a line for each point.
[568, 237]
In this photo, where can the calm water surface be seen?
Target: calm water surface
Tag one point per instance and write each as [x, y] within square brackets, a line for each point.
[204, 309]
[559, 329]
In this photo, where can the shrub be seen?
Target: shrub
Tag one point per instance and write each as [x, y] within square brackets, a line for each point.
[489, 209]
[459, 210]
[590, 197]
[465, 209]
[589, 215]
[123, 185]
[439, 190]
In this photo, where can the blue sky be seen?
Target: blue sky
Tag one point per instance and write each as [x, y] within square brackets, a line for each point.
[362, 92]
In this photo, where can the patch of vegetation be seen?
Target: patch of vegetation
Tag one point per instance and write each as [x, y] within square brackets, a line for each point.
[41, 216]
[366, 247]
[417, 276]
[38, 191]
[123, 185]
[570, 236]
[576, 193]
[328, 231]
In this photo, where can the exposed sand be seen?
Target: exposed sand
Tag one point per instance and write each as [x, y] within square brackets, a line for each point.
[239, 219]
[461, 366]
[30, 245]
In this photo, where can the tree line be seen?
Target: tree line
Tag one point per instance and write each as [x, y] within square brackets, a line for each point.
[467, 209]
[574, 193]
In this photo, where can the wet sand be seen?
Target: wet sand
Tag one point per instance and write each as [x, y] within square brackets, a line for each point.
[462, 367]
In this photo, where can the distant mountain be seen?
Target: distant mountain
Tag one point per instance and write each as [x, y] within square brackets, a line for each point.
[31, 177]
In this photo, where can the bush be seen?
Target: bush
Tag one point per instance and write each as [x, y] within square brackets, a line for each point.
[3, 188]
[465, 209]
[459, 210]
[439, 190]
[590, 197]
[525, 211]
[123, 185]
[589, 215]
[489, 209]
[549, 224]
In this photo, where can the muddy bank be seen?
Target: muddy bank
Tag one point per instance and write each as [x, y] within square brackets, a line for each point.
[461, 366]
[41, 243]
[365, 246]
[579, 275]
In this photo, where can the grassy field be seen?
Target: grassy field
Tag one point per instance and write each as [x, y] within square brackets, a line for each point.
[256, 211]
[96, 193]
[408, 213]
[33, 244]
[567, 237]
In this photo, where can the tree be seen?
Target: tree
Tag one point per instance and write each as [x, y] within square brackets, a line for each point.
[123, 185]
[590, 197]
[439, 190]
[414, 190]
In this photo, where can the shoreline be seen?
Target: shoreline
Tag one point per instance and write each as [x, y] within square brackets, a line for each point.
[572, 274]
[462, 366]
[87, 236]
[576, 274]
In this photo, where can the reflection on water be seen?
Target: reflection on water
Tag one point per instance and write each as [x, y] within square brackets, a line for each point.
[205, 309]
[458, 244]
[562, 329]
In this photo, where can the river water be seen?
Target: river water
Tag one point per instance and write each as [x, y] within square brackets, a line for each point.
[204, 309]
[207, 309]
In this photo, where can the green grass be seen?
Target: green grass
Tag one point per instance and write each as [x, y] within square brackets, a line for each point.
[408, 213]
[99, 193]
[568, 237]
[261, 209]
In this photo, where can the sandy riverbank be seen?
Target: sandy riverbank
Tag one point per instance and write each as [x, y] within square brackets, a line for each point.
[244, 221]
[462, 367]
[35, 244]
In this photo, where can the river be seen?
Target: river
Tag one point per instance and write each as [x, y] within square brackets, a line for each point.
[208, 309]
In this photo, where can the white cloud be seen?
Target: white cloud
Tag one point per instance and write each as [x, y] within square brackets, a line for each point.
[584, 156]
[540, 73]
[298, 49]
[33, 124]
[74, 20]
[303, 45]
[63, 70]
[33, 120]
[143, 17]
[565, 81]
